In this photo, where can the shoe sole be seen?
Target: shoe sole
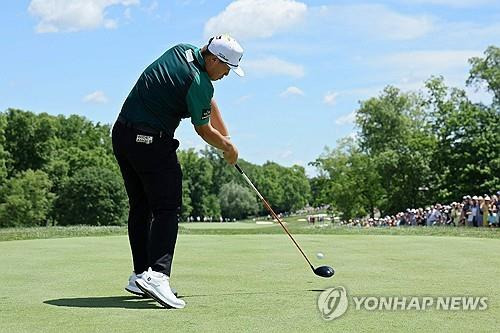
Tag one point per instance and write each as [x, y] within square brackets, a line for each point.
[141, 294]
[156, 298]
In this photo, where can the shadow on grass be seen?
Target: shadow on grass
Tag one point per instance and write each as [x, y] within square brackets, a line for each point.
[131, 302]
[124, 302]
[237, 293]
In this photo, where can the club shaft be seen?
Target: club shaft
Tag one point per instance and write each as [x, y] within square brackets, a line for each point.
[268, 207]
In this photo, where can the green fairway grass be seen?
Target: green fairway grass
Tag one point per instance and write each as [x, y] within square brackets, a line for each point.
[247, 283]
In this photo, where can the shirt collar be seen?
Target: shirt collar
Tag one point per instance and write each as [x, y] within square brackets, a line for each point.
[199, 57]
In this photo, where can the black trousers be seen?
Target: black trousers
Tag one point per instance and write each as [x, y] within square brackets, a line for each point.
[153, 180]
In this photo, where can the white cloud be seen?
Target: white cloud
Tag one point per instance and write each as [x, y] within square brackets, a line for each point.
[286, 154]
[273, 66]
[330, 98]
[432, 61]
[376, 21]
[452, 3]
[153, 7]
[410, 69]
[474, 34]
[256, 18]
[290, 91]
[243, 99]
[75, 15]
[96, 97]
[127, 14]
[346, 119]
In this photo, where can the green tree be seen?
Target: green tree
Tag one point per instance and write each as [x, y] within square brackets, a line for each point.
[286, 189]
[237, 201]
[93, 196]
[212, 206]
[77, 131]
[395, 133]
[4, 155]
[268, 181]
[197, 176]
[466, 158]
[25, 199]
[349, 180]
[222, 172]
[319, 186]
[186, 208]
[296, 188]
[487, 71]
[66, 162]
[29, 139]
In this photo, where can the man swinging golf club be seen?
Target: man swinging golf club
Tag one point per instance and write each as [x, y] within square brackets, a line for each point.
[177, 85]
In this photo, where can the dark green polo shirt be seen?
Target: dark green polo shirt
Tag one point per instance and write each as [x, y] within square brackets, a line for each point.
[173, 87]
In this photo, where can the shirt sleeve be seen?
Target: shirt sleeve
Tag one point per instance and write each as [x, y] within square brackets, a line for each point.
[198, 101]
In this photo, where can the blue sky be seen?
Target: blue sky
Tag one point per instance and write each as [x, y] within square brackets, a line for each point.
[307, 63]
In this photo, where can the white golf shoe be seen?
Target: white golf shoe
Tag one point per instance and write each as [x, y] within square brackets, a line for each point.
[157, 285]
[132, 287]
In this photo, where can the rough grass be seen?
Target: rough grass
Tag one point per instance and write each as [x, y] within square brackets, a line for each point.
[245, 228]
[59, 232]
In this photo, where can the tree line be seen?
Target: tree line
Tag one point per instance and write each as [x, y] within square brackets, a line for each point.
[411, 149]
[57, 170]
[416, 148]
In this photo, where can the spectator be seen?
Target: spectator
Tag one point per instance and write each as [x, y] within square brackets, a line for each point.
[420, 217]
[413, 218]
[456, 213]
[434, 215]
[464, 210]
[495, 205]
[479, 211]
[470, 217]
[446, 216]
[473, 211]
[485, 210]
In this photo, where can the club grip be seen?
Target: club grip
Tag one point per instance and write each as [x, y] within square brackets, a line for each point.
[238, 168]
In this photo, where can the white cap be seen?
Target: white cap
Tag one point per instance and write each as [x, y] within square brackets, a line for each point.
[228, 50]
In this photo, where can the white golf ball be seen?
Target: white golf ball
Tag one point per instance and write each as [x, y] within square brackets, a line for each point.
[320, 255]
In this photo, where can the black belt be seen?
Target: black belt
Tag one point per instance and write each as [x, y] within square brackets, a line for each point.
[140, 127]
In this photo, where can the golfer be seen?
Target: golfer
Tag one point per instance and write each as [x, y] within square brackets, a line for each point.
[177, 85]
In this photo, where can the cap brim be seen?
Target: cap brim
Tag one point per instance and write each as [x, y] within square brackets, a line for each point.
[238, 70]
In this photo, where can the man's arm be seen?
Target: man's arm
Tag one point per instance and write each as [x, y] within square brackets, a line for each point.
[216, 119]
[214, 138]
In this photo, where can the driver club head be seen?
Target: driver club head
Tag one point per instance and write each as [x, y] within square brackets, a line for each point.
[324, 271]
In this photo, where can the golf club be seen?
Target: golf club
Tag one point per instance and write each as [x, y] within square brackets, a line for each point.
[323, 271]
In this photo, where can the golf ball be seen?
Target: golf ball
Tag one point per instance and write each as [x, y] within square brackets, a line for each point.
[320, 255]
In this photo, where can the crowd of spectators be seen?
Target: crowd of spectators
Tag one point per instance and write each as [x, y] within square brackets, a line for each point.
[476, 211]
[209, 219]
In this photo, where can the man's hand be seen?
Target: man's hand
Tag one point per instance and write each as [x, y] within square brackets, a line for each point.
[213, 137]
[231, 155]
